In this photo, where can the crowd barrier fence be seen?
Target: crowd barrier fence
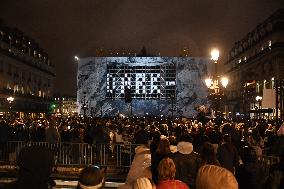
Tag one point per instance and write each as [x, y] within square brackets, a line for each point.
[81, 154]
[75, 154]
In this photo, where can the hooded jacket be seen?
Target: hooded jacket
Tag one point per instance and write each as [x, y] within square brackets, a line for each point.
[140, 167]
[215, 177]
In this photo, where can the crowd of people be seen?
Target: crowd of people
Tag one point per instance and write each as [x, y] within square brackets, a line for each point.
[172, 153]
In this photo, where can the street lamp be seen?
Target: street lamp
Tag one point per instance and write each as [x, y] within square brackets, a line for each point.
[10, 99]
[224, 81]
[215, 55]
[215, 82]
[258, 99]
[76, 58]
[208, 82]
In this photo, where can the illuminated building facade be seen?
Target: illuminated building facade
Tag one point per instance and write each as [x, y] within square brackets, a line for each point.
[158, 86]
[65, 105]
[26, 73]
[255, 67]
[152, 81]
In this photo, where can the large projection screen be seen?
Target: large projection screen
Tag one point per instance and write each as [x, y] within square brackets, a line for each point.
[155, 84]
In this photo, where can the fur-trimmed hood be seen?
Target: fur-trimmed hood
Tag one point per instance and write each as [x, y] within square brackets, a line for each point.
[142, 149]
[184, 147]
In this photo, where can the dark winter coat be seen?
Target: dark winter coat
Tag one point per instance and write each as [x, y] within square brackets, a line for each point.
[187, 163]
[251, 175]
[228, 156]
[35, 167]
[276, 177]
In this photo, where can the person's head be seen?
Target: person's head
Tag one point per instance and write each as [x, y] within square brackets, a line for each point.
[248, 154]
[51, 117]
[163, 146]
[166, 169]
[227, 138]
[208, 154]
[212, 177]
[172, 140]
[35, 164]
[156, 136]
[143, 183]
[93, 177]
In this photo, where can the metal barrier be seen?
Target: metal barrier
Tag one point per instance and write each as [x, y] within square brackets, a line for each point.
[117, 155]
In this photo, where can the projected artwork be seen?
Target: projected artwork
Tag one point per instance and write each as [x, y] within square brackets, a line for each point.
[145, 82]
[154, 83]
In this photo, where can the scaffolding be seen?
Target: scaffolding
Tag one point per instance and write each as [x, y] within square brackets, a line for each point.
[145, 81]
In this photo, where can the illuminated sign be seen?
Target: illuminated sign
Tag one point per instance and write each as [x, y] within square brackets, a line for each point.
[144, 82]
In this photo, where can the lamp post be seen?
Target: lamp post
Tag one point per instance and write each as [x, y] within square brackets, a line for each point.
[259, 99]
[213, 83]
[10, 100]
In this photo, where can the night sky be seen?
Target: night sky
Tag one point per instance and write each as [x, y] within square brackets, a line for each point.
[65, 28]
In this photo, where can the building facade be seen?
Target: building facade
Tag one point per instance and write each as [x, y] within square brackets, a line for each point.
[65, 105]
[26, 74]
[139, 86]
[255, 67]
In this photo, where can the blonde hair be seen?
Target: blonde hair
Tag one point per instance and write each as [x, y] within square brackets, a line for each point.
[166, 169]
[143, 183]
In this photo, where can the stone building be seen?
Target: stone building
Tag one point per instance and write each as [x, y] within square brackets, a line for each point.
[26, 74]
[255, 67]
[65, 105]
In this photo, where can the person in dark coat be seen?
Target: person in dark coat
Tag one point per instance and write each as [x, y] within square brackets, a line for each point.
[186, 160]
[141, 136]
[155, 142]
[251, 174]
[276, 175]
[163, 150]
[228, 155]
[4, 137]
[208, 155]
[35, 167]
[278, 145]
